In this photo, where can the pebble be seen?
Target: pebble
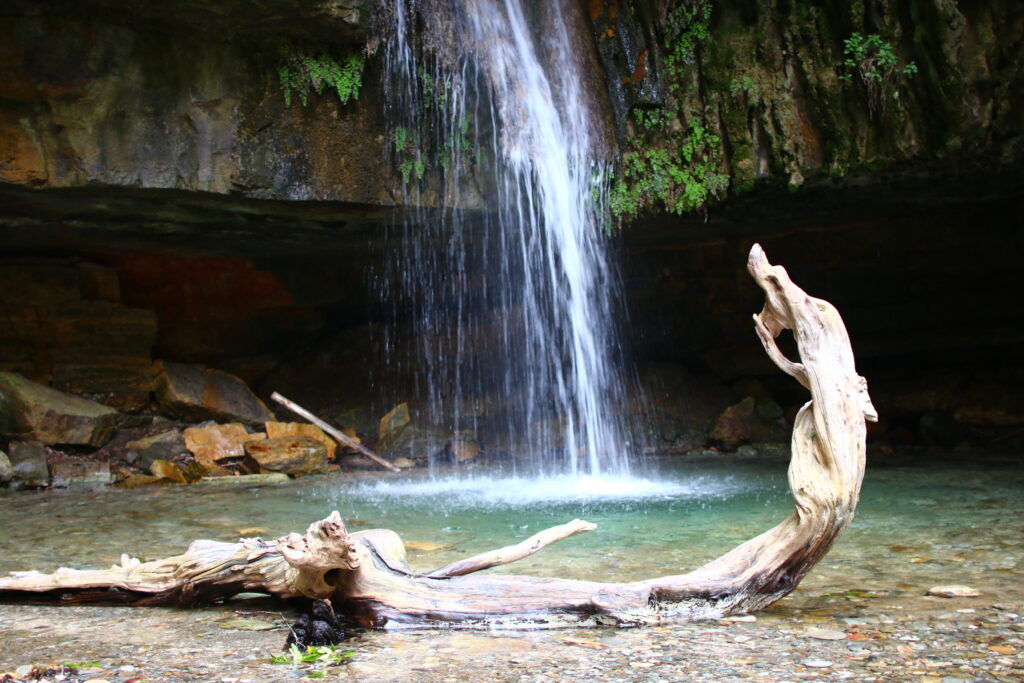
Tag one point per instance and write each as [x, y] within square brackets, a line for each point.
[954, 591]
[817, 663]
[825, 634]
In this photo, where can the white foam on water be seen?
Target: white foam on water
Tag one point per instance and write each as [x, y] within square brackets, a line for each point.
[520, 491]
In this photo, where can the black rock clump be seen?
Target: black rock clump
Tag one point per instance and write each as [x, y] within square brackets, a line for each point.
[319, 627]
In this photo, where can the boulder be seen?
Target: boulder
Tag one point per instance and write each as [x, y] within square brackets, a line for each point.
[414, 442]
[28, 463]
[6, 471]
[219, 442]
[72, 473]
[35, 412]
[279, 429]
[164, 446]
[734, 425]
[991, 404]
[396, 419]
[465, 447]
[167, 470]
[245, 479]
[674, 408]
[293, 455]
[191, 392]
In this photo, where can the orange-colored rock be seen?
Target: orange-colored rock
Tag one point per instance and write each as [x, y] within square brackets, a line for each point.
[294, 455]
[22, 160]
[167, 470]
[278, 429]
[219, 442]
[136, 480]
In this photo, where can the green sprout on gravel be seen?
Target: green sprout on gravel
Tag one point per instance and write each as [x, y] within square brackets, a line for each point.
[324, 656]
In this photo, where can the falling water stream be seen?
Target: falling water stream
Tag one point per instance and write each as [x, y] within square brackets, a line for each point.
[514, 306]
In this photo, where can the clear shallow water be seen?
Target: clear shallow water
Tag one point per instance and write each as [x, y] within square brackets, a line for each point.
[921, 522]
[932, 515]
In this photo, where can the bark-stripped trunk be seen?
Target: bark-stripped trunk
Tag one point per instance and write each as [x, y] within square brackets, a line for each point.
[366, 576]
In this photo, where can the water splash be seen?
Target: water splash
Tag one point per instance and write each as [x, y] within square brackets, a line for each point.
[490, 492]
[513, 311]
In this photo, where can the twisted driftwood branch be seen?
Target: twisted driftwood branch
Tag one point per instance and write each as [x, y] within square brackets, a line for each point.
[366, 575]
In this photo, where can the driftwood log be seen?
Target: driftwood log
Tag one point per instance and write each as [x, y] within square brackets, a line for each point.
[366, 576]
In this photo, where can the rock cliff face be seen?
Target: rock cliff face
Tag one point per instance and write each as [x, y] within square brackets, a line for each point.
[158, 197]
[184, 96]
[188, 95]
[793, 102]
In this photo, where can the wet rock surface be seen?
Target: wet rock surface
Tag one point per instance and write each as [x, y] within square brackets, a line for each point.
[35, 412]
[214, 444]
[28, 463]
[66, 326]
[295, 455]
[73, 473]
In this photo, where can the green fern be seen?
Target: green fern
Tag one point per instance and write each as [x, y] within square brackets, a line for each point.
[303, 70]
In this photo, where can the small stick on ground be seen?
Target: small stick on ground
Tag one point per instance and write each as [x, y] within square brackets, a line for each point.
[341, 437]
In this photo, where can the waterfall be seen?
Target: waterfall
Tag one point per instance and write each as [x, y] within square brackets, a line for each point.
[511, 302]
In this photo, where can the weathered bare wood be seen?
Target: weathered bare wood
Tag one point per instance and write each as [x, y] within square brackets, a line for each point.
[513, 553]
[337, 434]
[367, 577]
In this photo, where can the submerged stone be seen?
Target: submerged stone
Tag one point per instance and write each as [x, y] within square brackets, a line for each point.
[245, 479]
[71, 473]
[28, 461]
[954, 591]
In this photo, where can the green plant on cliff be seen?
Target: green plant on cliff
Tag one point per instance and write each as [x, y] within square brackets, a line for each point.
[303, 70]
[408, 154]
[874, 61]
[686, 27]
[672, 155]
[681, 174]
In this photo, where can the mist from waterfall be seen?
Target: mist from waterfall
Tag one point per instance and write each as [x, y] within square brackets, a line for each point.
[513, 308]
